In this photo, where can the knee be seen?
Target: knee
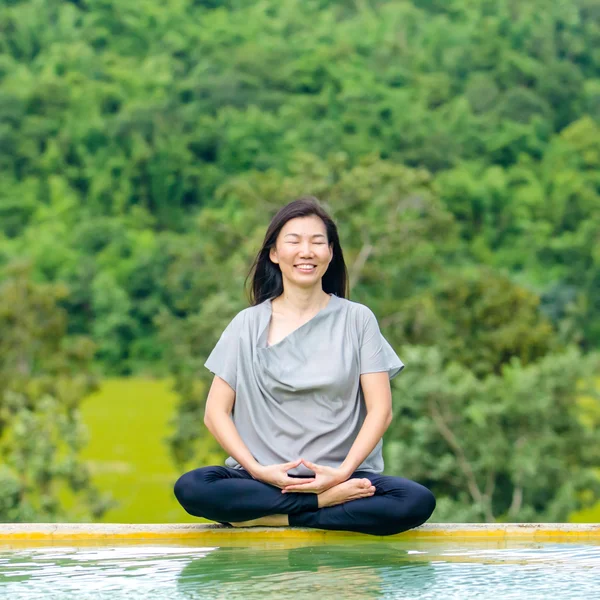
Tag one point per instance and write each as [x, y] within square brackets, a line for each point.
[424, 505]
[185, 488]
[190, 490]
[416, 512]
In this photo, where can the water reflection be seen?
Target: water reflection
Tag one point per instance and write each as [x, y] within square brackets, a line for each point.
[301, 569]
[359, 571]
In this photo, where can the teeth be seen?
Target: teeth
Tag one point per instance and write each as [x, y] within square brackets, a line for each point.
[306, 267]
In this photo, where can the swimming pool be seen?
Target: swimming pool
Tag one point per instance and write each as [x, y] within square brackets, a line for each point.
[346, 568]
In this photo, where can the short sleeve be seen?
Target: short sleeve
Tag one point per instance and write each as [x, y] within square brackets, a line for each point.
[223, 360]
[376, 354]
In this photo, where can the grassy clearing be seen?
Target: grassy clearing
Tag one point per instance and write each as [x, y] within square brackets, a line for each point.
[127, 421]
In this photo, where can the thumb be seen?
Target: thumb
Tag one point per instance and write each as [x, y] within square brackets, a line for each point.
[310, 465]
[292, 464]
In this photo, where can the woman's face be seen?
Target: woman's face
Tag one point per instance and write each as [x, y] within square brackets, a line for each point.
[302, 251]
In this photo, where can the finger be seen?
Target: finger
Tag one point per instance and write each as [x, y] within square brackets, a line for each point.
[307, 487]
[297, 481]
[310, 465]
[292, 464]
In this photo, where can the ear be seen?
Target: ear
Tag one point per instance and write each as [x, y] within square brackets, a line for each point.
[273, 256]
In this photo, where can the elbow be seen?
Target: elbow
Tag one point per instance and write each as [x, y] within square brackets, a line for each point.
[213, 418]
[389, 419]
[381, 417]
[207, 421]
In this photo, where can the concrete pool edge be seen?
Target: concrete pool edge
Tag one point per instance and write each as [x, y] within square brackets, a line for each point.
[206, 531]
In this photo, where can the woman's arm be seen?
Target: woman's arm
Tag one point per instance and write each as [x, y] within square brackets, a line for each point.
[378, 400]
[217, 418]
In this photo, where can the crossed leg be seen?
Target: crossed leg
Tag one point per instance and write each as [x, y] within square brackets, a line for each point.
[230, 495]
[353, 489]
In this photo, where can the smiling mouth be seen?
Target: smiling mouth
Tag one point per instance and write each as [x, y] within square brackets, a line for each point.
[305, 269]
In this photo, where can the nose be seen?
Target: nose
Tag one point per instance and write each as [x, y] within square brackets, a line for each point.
[305, 250]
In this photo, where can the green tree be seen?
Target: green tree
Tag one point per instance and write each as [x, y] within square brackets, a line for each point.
[44, 375]
[513, 447]
[143, 146]
[479, 319]
[119, 124]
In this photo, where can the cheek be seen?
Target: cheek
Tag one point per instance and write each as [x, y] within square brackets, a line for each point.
[325, 256]
[286, 258]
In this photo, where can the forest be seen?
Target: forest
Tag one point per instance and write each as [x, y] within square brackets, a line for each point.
[144, 147]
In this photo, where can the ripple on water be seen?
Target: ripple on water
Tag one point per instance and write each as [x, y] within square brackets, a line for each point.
[377, 569]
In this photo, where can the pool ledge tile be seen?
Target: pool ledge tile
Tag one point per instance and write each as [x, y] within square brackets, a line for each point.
[206, 531]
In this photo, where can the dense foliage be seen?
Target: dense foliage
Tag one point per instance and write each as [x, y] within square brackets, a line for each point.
[144, 146]
[44, 375]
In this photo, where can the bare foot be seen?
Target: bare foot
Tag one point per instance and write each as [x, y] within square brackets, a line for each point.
[346, 491]
[269, 521]
[338, 494]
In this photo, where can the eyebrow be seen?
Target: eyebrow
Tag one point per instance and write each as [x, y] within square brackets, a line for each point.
[298, 235]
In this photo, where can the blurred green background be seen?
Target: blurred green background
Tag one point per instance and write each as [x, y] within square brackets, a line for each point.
[144, 147]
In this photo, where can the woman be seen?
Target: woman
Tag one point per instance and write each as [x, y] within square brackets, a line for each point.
[301, 398]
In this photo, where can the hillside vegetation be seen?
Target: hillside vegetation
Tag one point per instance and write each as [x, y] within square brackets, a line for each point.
[144, 146]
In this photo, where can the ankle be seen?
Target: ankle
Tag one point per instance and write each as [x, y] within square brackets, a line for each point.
[269, 521]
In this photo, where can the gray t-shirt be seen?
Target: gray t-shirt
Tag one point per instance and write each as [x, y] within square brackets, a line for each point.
[301, 397]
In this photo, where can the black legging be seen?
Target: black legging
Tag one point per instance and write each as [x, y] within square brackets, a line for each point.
[230, 495]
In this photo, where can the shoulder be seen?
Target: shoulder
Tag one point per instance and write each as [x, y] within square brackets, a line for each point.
[246, 317]
[358, 313]
[356, 308]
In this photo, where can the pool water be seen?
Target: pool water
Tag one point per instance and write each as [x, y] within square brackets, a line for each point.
[301, 569]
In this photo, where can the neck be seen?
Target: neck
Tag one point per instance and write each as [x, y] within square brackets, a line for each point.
[302, 301]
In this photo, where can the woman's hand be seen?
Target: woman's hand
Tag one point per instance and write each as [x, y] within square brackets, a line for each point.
[325, 478]
[277, 475]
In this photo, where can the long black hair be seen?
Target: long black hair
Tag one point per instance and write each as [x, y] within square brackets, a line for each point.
[267, 281]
